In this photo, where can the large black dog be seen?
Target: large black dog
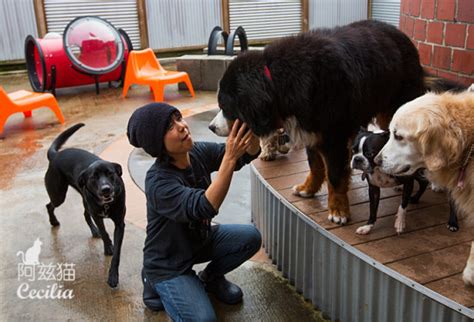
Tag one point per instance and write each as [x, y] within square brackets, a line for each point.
[321, 86]
[100, 184]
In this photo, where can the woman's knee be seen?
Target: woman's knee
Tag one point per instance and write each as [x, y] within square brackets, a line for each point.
[254, 239]
[197, 316]
[207, 315]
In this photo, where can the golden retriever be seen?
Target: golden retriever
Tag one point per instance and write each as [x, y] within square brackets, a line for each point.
[436, 132]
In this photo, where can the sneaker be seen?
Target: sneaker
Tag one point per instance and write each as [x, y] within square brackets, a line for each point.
[150, 297]
[225, 291]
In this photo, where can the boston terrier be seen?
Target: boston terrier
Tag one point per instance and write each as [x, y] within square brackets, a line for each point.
[366, 146]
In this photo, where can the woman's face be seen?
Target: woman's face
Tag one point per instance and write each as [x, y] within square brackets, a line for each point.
[178, 139]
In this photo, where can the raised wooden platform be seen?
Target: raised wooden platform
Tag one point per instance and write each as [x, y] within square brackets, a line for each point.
[427, 252]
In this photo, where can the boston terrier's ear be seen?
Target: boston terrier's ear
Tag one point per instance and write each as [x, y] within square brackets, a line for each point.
[363, 129]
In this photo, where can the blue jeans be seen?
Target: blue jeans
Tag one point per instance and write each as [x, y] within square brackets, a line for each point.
[184, 296]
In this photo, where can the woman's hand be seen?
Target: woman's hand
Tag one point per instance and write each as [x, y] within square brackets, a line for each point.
[238, 141]
[254, 147]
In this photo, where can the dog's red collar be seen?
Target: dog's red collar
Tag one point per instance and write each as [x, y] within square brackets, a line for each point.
[462, 172]
[266, 70]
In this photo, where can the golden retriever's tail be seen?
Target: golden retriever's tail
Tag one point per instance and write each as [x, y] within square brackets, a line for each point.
[61, 139]
[439, 85]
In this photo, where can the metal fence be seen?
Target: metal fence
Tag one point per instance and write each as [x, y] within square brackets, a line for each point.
[331, 13]
[386, 10]
[121, 13]
[185, 23]
[266, 19]
[17, 20]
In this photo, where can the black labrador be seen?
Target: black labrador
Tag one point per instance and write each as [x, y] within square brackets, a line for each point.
[100, 184]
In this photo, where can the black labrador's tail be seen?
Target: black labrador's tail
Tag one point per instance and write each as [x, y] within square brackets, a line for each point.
[61, 139]
[439, 85]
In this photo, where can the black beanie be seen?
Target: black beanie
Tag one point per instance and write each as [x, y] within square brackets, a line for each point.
[147, 127]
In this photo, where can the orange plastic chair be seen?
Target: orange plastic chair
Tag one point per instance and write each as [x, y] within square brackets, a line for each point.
[25, 101]
[144, 69]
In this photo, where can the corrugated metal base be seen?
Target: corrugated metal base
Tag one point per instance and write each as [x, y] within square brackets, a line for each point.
[338, 279]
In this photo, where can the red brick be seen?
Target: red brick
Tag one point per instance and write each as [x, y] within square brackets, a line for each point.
[466, 10]
[401, 24]
[455, 35]
[435, 32]
[463, 61]
[446, 9]
[465, 80]
[470, 37]
[404, 7]
[420, 29]
[425, 53]
[414, 7]
[409, 25]
[441, 57]
[427, 9]
[431, 71]
[448, 75]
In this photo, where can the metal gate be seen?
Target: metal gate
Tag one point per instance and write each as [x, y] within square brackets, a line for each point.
[331, 13]
[386, 10]
[263, 19]
[121, 13]
[17, 20]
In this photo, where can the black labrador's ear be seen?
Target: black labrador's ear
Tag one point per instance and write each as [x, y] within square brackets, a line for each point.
[82, 179]
[118, 169]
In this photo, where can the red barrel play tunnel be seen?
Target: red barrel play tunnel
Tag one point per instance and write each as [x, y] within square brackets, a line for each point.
[90, 51]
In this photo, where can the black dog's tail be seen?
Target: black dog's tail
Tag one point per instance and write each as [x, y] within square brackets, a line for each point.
[61, 139]
[439, 85]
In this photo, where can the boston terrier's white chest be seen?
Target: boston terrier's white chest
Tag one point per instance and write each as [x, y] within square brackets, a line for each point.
[381, 179]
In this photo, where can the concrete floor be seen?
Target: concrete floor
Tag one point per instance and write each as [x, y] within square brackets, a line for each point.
[23, 145]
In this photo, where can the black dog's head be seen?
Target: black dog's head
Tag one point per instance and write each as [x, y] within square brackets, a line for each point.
[366, 146]
[245, 93]
[103, 180]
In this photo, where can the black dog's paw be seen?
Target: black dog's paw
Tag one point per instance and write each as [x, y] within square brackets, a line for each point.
[52, 218]
[452, 228]
[113, 280]
[109, 250]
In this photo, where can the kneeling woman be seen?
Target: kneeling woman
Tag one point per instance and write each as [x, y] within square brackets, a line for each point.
[181, 201]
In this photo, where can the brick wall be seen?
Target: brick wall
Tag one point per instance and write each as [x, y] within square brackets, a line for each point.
[443, 32]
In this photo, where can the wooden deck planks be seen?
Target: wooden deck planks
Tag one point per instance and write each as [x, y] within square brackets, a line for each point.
[452, 287]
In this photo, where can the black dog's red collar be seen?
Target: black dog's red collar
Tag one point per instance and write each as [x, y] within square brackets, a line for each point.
[266, 70]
